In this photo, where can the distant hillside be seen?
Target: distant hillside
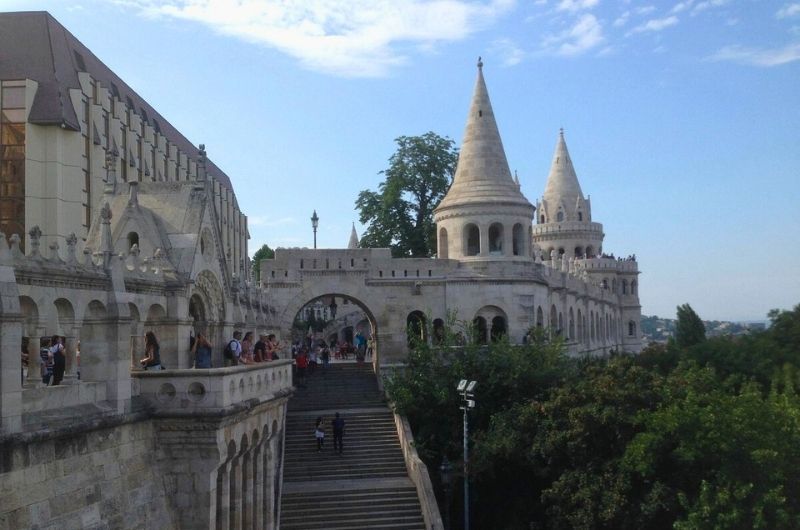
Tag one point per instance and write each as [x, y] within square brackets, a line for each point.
[657, 329]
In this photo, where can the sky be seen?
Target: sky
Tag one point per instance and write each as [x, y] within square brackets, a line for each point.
[682, 117]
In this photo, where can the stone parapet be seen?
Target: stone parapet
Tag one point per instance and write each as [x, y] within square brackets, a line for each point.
[193, 391]
[566, 226]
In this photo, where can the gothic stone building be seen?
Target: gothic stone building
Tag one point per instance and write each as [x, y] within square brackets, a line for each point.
[495, 269]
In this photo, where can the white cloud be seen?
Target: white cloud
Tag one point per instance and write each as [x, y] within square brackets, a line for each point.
[573, 6]
[759, 56]
[682, 6]
[357, 38]
[655, 24]
[644, 10]
[586, 34]
[510, 54]
[708, 4]
[789, 10]
[622, 19]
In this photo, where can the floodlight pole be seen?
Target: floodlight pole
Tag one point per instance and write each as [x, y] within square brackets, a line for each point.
[466, 461]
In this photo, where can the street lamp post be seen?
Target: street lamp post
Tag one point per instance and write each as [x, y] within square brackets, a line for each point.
[314, 225]
[445, 472]
[466, 389]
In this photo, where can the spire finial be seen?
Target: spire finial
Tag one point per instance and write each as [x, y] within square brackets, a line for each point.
[480, 63]
[561, 131]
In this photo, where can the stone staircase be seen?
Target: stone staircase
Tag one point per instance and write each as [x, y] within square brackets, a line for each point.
[365, 487]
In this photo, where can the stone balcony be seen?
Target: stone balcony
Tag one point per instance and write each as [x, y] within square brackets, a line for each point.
[198, 391]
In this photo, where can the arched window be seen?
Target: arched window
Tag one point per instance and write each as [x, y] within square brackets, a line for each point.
[605, 283]
[560, 216]
[589, 252]
[498, 328]
[634, 285]
[571, 330]
[541, 219]
[438, 331]
[580, 216]
[443, 243]
[481, 335]
[518, 241]
[133, 239]
[578, 252]
[496, 239]
[631, 328]
[560, 329]
[539, 317]
[553, 318]
[416, 329]
[624, 286]
[561, 252]
[472, 240]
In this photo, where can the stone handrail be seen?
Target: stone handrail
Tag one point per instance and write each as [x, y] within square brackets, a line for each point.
[211, 389]
[418, 472]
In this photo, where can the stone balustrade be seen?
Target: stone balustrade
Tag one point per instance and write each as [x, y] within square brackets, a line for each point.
[196, 390]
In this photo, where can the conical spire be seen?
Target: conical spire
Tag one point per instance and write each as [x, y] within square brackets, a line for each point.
[482, 174]
[562, 183]
[353, 238]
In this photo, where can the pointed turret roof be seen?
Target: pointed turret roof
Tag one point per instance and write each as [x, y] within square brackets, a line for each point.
[482, 174]
[562, 183]
[353, 243]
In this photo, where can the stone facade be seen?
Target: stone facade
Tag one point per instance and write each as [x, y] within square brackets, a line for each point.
[494, 269]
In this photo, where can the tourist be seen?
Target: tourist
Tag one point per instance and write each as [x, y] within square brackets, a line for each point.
[46, 364]
[338, 433]
[247, 348]
[361, 346]
[59, 359]
[325, 356]
[370, 347]
[302, 364]
[233, 350]
[312, 360]
[260, 349]
[201, 350]
[272, 347]
[152, 354]
[319, 434]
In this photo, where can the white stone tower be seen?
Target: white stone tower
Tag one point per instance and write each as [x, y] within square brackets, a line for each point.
[564, 216]
[484, 216]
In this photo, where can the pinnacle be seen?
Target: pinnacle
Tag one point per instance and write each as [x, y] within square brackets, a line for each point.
[562, 183]
[482, 174]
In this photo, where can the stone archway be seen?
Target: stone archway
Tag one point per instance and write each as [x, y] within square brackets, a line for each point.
[289, 318]
[207, 309]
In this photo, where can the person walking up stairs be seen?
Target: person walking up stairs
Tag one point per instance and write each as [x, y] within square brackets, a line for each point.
[366, 487]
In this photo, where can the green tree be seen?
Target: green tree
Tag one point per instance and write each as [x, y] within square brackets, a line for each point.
[400, 214]
[689, 329]
[263, 253]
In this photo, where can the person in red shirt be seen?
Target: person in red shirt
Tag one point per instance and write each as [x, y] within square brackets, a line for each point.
[302, 364]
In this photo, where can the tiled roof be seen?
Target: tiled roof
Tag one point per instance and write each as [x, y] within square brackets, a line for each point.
[34, 45]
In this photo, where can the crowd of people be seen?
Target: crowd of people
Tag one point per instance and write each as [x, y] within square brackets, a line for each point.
[307, 355]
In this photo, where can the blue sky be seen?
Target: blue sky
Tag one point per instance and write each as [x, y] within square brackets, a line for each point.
[682, 117]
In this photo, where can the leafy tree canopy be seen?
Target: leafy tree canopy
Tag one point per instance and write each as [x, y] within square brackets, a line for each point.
[689, 329]
[263, 253]
[400, 214]
[677, 437]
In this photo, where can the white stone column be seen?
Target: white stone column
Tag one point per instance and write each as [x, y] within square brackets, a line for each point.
[34, 360]
[223, 497]
[483, 232]
[70, 347]
[247, 489]
[236, 493]
[258, 486]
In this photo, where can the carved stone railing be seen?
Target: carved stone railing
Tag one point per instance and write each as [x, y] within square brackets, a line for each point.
[418, 473]
[197, 390]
